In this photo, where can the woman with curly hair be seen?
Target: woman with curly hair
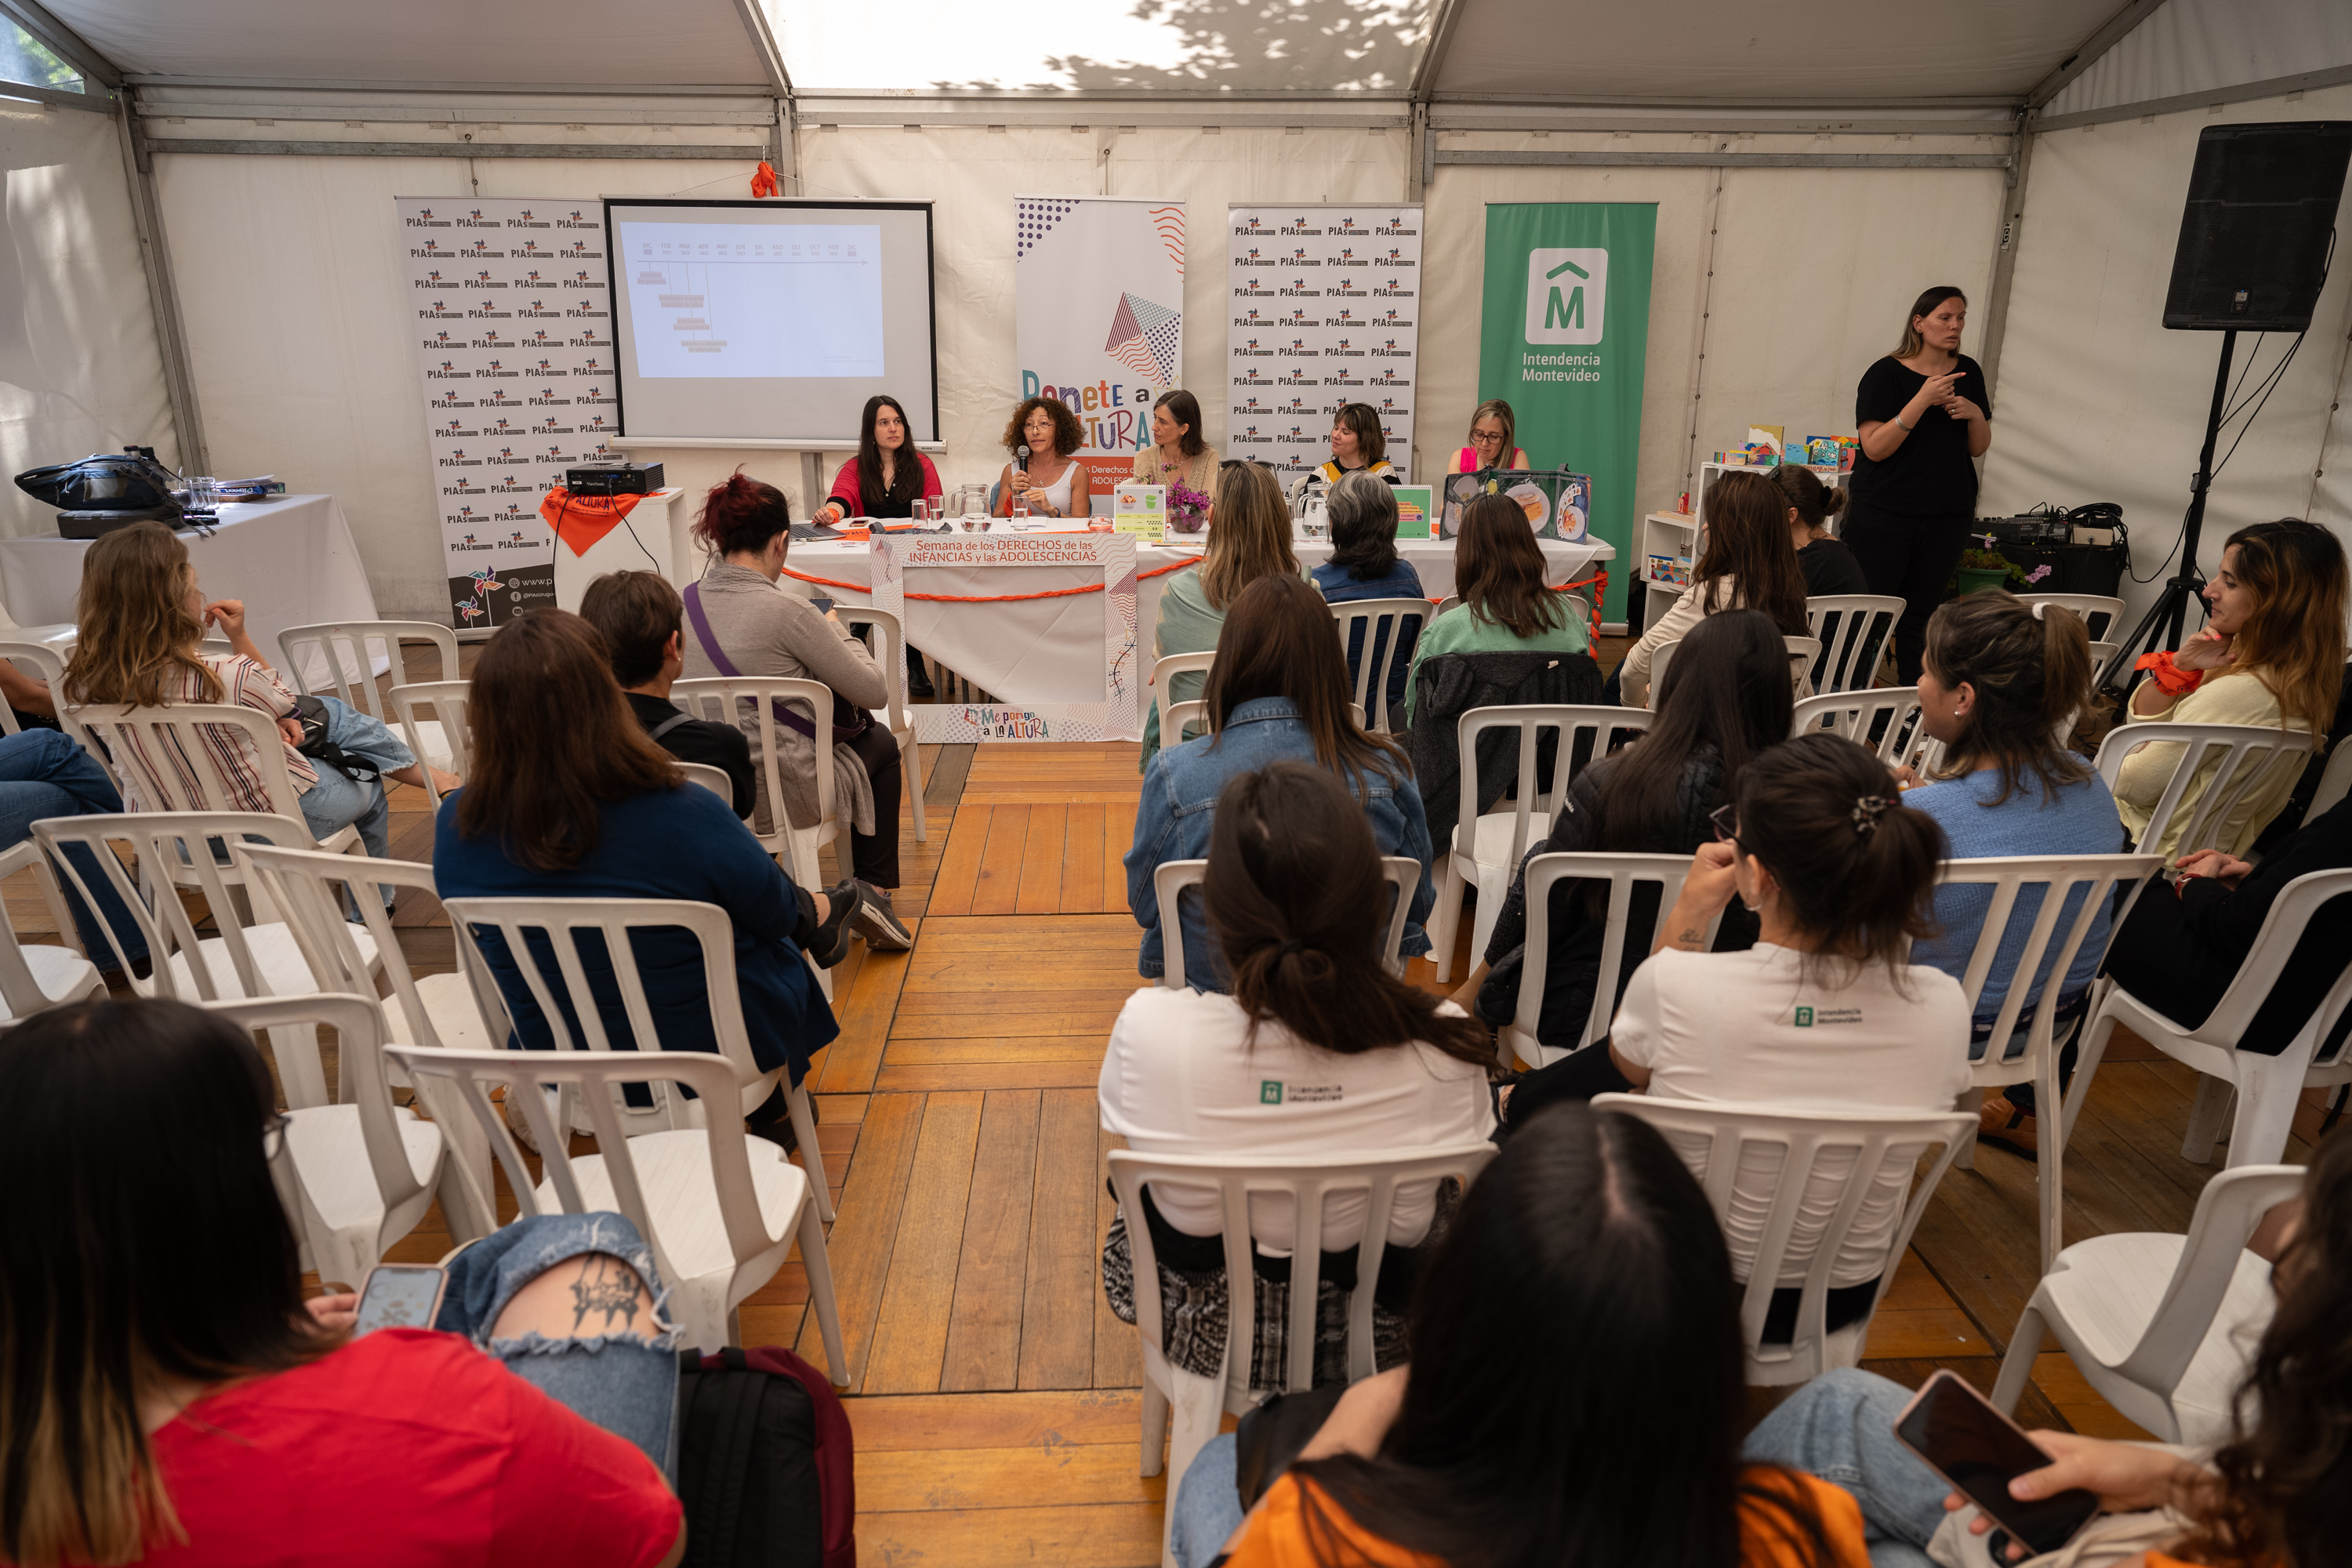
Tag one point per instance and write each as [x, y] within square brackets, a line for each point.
[1051, 479]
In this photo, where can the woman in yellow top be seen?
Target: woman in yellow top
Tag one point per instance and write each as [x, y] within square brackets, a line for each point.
[1612, 1437]
[1177, 454]
[1494, 441]
[2271, 654]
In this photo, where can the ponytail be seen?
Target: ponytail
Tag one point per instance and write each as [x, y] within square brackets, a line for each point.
[741, 514]
[2031, 666]
[1856, 864]
[1295, 896]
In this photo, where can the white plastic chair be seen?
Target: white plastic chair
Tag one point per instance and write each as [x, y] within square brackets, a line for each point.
[890, 645]
[1854, 1153]
[1171, 878]
[256, 954]
[342, 647]
[2059, 877]
[720, 1211]
[2161, 1326]
[450, 703]
[1308, 1183]
[164, 759]
[2230, 765]
[1865, 626]
[1621, 872]
[1376, 616]
[1485, 850]
[1803, 654]
[34, 976]
[1451, 602]
[314, 891]
[358, 1173]
[2101, 614]
[713, 779]
[2268, 1088]
[1890, 713]
[1174, 716]
[43, 661]
[2335, 782]
[562, 921]
[725, 699]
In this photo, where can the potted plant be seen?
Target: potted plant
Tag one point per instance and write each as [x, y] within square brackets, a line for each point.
[1982, 569]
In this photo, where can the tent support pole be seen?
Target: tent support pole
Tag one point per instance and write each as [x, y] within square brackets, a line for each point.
[163, 290]
[2009, 237]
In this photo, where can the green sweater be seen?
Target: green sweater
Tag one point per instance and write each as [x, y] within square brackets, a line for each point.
[1460, 630]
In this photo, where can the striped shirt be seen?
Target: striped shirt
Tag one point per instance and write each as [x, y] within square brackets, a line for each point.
[229, 752]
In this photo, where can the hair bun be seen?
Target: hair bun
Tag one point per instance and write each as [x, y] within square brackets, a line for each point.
[1833, 500]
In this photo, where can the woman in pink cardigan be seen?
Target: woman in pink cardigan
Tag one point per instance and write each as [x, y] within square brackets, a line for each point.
[888, 477]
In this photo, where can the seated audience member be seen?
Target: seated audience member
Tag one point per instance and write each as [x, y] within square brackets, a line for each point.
[2277, 1495]
[1176, 455]
[1726, 699]
[2002, 681]
[1278, 691]
[1494, 441]
[888, 477]
[737, 624]
[142, 617]
[1576, 1394]
[45, 772]
[172, 1399]
[2179, 954]
[30, 701]
[1748, 564]
[1358, 446]
[569, 800]
[2272, 653]
[1298, 909]
[1498, 571]
[642, 621]
[1365, 565]
[1829, 567]
[1251, 540]
[1840, 874]
[1053, 481]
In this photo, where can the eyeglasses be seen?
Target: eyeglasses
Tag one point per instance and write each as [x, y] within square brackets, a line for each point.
[1726, 826]
[273, 1137]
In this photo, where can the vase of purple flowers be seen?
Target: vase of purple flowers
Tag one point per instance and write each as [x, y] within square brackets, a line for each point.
[1188, 509]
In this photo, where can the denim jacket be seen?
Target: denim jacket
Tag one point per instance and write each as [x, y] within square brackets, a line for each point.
[1180, 787]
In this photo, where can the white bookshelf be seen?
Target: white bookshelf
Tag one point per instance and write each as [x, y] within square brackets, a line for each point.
[1679, 538]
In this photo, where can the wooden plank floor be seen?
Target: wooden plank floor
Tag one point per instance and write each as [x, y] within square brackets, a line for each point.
[993, 1396]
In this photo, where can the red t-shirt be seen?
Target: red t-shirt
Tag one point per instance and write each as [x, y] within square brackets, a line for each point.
[405, 1447]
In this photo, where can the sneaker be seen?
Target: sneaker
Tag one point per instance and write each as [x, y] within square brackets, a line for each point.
[877, 924]
[829, 943]
[518, 1124]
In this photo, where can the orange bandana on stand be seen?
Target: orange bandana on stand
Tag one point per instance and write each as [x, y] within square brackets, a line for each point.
[581, 521]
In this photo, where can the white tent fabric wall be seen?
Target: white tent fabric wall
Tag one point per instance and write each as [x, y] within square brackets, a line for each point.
[2194, 46]
[79, 368]
[2098, 402]
[300, 328]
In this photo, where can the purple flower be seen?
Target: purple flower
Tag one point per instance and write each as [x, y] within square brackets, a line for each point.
[2038, 573]
[1188, 509]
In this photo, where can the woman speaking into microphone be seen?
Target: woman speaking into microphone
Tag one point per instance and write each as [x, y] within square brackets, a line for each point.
[1924, 413]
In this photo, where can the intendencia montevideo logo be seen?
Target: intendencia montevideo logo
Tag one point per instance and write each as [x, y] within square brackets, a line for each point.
[1567, 295]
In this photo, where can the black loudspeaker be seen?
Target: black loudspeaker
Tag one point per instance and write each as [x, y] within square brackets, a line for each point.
[2254, 241]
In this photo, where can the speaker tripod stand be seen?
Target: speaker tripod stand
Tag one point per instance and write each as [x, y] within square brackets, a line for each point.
[2161, 628]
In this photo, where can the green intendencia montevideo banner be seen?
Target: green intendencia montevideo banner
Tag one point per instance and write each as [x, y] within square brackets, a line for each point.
[1563, 331]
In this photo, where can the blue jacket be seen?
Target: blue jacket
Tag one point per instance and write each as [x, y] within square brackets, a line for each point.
[682, 843]
[1181, 787]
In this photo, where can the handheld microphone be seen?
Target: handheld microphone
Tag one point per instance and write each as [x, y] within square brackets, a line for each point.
[1021, 458]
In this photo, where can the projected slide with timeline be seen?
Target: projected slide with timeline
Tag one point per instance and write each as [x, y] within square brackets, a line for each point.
[713, 300]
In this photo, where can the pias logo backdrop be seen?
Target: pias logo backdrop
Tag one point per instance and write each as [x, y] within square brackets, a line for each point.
[1322, 309]
[513, 324]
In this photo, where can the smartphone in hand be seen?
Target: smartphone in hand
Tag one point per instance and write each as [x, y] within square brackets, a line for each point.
[400, 1295]
[824, 604]
[1978, 1450]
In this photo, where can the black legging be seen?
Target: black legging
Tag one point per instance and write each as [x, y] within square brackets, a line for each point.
[874, 856]
[1912, 558]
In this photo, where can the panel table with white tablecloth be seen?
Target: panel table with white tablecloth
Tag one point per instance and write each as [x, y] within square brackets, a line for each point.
[291, 560]
[1050, 651]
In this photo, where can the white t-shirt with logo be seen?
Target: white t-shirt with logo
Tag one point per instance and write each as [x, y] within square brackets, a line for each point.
[1750, 1029]
[1182, 1076]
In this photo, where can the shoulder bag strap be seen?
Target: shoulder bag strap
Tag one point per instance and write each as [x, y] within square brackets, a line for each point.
[719, 661]
[666, 725]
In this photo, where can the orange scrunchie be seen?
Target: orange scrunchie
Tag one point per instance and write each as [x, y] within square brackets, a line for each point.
[2169, 678]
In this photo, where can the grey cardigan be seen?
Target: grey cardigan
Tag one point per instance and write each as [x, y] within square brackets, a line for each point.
[766, 631]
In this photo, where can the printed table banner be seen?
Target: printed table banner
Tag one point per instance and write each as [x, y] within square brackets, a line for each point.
[1323, 308]
[1099, 318]
[1112, 555]
[513, 319]
[1563, 330]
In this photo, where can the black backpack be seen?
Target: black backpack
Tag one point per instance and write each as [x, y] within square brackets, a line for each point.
[765, 1465]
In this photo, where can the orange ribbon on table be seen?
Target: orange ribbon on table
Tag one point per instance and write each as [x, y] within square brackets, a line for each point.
[581, 521]
[990, 598]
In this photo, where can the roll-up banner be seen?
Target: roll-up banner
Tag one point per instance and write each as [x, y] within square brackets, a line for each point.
[1099, 318]
[1324, 310]
[1563, 330]
[513, 321]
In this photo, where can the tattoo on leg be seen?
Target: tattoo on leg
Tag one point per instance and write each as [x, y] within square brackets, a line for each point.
[607, 1286]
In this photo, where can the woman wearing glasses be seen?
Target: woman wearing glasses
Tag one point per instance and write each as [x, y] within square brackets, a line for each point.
[1494, 441]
